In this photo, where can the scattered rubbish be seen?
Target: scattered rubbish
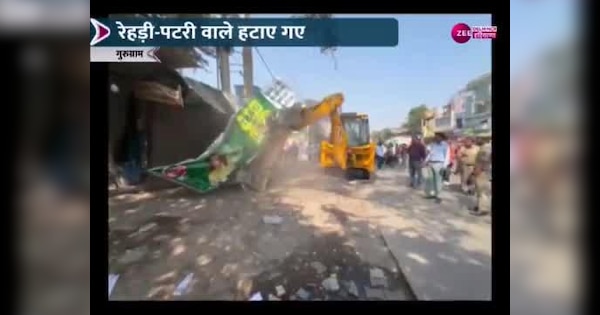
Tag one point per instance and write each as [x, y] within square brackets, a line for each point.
[272, 219]
[183, 286]
[331, 283]
[112, 281]
[318, 266]
[203, 260]
[280, 290]
[352, 288]
[302, 294]
[273, 298]
[147, 227]
[133, 255]
[244, 285]
[256, 297]
[378, 278]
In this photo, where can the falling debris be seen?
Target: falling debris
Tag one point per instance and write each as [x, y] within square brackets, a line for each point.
[112, 281]
[183, 286]
[272, 219]
[256, 297]
[280, 290]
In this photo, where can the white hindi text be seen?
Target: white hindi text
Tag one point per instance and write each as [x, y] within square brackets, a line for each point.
[293, 32]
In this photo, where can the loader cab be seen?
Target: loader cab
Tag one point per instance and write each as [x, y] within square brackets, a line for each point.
[357, 129]
[360, 150]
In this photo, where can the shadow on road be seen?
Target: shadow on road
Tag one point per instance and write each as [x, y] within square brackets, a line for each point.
[156, 238]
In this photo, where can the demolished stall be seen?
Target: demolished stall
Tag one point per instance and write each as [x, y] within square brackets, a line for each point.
[158, 117]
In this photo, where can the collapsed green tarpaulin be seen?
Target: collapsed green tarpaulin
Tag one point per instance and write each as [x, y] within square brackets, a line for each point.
[231, 151]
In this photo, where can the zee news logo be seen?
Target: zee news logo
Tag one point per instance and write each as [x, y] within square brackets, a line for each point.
[462, 33]
[100, 33]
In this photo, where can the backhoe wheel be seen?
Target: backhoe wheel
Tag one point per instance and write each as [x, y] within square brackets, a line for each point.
[366, 175]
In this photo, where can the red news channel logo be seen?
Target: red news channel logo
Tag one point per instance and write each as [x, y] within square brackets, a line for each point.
[462, 33]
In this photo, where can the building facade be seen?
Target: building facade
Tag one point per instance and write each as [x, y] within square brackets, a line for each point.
[469, 110]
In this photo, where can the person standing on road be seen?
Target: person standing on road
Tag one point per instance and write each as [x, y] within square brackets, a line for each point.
[466, 159]
[416, 152]
[481, 178]
[451, 164]
[435, 162]
[380, 155]
[403, 155]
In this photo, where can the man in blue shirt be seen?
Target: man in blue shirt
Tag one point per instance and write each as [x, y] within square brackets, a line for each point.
[380, 154]
[438, 158]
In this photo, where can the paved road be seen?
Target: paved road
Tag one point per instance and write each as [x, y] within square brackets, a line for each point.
[444, 253]
[158, 238]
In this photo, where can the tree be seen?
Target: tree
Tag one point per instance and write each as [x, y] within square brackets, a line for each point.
[386, 133]
[375, 136]
[415, 115]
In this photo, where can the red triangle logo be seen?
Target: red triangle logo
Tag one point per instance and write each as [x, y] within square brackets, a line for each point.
[101, 32]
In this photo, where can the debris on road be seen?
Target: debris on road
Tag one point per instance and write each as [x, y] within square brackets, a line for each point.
[378, 278]
[133, 255]
[272, 219]
[203, 260]
[112, 281]
[148, 227]
[273, 298]
[183, 286]
[280, 290]
[256, 297]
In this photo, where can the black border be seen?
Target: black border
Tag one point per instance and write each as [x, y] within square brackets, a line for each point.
[500, 118]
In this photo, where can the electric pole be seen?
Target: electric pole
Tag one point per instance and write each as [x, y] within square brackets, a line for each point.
[248, 69]
[224, 74]
[224, 71]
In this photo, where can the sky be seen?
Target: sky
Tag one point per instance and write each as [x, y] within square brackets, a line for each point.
[427, 66]
[538, 25]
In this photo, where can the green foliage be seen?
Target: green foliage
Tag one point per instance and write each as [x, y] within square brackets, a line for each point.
[385, 134]
[415, 115]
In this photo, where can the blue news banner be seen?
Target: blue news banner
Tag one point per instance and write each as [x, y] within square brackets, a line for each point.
[348, 32]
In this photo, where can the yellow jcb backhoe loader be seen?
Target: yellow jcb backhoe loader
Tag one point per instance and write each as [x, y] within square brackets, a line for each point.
[349, 147]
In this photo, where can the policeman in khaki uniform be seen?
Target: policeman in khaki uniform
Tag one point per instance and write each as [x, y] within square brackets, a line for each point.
[481, 177]
[466, 162]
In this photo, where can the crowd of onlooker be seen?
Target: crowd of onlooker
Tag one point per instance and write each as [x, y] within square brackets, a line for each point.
[432, 162]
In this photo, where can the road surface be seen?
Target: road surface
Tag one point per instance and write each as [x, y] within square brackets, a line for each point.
[298, 236]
